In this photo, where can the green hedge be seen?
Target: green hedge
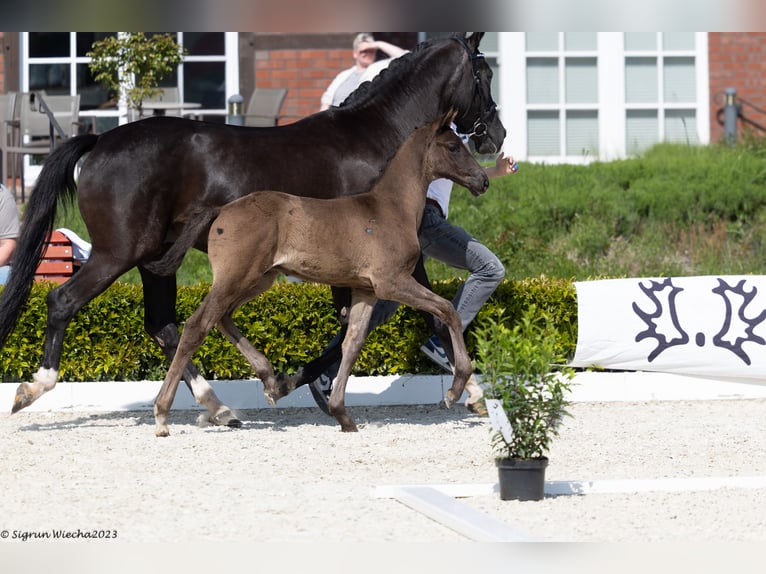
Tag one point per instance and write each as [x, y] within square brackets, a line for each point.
[291, 323]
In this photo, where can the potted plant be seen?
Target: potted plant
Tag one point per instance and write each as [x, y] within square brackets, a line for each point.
[131, 65]
[526, 386]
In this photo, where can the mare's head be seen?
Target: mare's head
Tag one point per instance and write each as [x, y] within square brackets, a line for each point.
[447, 156]
[439, 75]
[477, 115]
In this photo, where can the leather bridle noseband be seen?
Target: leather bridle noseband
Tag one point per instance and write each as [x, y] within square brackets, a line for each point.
[480, 125]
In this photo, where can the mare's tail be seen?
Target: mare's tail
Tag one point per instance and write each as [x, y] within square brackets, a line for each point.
[56, 182]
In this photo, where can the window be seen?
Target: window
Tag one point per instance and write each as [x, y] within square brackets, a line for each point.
[578, 96]
[56, 62]
[562, 93]
[660, 89]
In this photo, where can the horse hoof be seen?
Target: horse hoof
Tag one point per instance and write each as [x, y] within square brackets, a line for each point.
[271, 399]
[24, 397]
[477, 408]
[161, 432]
[226, 418]
[349, 428]
[448, 401]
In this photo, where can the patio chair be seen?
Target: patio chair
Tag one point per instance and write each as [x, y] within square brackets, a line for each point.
[7, 102]
[31, 128]
[264, 106]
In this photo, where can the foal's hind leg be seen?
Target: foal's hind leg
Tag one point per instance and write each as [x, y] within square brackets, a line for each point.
[195, 330]
[222, 300]
[258, 361]
[160, 322]
[63, 303]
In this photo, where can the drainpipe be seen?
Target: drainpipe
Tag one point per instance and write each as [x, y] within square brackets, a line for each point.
[730, 115]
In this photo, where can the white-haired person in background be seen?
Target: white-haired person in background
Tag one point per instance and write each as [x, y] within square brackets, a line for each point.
[365, 50]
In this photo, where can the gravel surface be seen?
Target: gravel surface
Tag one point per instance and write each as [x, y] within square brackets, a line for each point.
[290, 475]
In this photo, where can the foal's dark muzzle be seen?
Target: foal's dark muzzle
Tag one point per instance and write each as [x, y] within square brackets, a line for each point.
[479, 184]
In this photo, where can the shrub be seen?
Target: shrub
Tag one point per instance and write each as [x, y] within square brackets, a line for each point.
[291, 323]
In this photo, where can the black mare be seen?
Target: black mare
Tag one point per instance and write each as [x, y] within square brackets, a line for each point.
[148, 190]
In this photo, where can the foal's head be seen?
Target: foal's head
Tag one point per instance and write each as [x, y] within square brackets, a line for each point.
[447, 156]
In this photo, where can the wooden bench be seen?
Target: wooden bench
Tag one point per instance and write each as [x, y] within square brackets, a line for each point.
[58, 263]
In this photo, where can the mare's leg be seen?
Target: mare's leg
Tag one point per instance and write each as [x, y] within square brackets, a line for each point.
[358, 320]
[63, 302]
[160, 322]
[410, 292]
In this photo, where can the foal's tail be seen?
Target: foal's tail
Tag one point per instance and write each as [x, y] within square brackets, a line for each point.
[55, 183]
[198, 222]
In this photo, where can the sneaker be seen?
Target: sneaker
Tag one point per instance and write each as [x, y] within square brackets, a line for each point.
[321, 388]
[433, 350]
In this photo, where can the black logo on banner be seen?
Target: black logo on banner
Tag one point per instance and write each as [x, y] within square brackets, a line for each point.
[664, 326]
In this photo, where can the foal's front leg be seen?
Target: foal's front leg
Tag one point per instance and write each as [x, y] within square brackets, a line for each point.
[409, 292]
[358, 320]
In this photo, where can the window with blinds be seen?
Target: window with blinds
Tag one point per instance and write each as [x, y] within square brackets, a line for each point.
[660, 89]
[562, 94]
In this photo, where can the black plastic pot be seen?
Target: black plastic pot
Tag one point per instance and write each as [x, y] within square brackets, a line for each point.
[521, 479]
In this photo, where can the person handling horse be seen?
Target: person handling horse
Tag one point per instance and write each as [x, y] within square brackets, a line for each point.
[444, 242]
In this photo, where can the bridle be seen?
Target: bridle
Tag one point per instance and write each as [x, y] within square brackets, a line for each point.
[486, 108]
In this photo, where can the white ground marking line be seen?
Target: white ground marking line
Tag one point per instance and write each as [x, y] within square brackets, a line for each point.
[447, 511]
[700, 483]
[439, 503]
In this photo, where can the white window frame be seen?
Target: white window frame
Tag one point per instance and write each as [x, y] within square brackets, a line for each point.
[611, 106]
[230, 57]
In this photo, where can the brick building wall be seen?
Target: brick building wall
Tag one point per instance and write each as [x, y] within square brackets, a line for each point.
[737, 60]
[305, 64]
[2, 62]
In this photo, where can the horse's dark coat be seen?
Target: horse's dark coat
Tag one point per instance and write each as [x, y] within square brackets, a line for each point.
[149, 189]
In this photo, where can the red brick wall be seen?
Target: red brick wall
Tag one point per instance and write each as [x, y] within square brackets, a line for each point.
[737, 60]
[305, 73]
[2, 63]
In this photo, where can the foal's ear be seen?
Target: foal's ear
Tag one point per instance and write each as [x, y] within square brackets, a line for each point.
[448, 118]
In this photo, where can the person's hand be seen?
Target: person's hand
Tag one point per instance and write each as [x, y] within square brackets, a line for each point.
[367, 47]
[503, 166]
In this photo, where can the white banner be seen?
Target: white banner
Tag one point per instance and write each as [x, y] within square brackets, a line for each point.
[708, 326]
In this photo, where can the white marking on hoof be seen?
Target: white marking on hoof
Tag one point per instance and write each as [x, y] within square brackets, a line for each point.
[474, 391]
[46, 378]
